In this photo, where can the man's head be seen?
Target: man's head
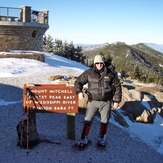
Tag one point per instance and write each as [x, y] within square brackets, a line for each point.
[99, 62]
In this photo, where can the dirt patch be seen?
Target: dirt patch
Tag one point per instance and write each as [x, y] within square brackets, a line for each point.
[150, 90]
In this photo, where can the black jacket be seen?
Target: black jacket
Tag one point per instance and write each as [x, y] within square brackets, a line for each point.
[103, 86]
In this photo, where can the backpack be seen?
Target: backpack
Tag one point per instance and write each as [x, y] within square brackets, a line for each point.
[33, 137]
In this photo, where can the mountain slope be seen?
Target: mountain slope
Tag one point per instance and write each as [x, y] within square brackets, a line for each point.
[127, 57]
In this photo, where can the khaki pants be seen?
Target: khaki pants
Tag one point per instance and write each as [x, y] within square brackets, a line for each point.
[103, 107]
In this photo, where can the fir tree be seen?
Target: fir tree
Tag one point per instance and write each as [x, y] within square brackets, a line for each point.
[136, 73]
[48, 44]
[58, 48]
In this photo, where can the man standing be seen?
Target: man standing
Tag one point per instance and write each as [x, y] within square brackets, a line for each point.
[104, 88]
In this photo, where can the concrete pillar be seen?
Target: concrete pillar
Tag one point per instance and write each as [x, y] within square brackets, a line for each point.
[26, 14]
[43, 17]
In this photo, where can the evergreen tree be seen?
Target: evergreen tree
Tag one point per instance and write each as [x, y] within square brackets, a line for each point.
[78, 55]
[68, 50]
[143, 78]
[108, 58]
[58, 48]
[136, 73]
[48, 44]
[71, 51]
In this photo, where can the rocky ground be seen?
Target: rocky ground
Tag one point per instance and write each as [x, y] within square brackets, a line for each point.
[121, 146]
[151, 89]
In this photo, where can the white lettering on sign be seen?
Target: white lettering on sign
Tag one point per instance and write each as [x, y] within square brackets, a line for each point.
[54, 97]
[70, 108]
[59, 108]
[60, 91]
[55, 108]
[41, 97]
[68, 97]
[28, 102]
[44, 108]
[39, 91]
[47, 108]
[69, 102]
[47, 102]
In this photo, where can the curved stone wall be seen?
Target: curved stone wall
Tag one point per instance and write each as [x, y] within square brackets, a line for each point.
[21, 36]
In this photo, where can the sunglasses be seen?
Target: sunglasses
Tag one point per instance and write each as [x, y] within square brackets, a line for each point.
[97, 63]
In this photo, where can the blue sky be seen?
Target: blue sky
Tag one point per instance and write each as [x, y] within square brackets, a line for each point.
[100, 21]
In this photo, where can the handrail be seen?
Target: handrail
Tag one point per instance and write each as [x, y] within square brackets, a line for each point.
[7, 14]
[10, 7]
[7, 9]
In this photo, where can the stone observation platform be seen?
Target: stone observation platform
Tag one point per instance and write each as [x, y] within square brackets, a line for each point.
[22, 28]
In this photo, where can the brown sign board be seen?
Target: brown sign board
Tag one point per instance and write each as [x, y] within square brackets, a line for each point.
[50, 98]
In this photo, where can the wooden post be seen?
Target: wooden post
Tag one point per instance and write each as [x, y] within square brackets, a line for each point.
[30, 119]
[71, 126]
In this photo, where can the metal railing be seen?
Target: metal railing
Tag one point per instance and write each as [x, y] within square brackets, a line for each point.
[16, 14]
[9, 14]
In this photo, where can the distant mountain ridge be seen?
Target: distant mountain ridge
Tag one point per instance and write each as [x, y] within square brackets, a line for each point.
[92, 47]
[127, 57]
[158, 47]
[86, 47]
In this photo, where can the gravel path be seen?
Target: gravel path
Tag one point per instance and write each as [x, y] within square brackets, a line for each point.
[121, 147]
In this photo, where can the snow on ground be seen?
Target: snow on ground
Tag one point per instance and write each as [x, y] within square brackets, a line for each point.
[14, 67]
[148, 133]
[138, 143]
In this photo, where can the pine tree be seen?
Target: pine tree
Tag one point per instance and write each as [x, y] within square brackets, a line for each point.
[71, 51]
[136, 73]
[58, 48]
[48, 44]
[68, 50]
[78, 55]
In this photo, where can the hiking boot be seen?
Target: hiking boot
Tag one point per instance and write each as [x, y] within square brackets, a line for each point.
[82, 144]
[101, 141]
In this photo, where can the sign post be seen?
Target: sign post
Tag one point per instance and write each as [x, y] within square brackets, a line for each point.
[52, 98]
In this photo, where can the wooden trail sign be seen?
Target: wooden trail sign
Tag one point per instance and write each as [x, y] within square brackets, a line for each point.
[50, 98]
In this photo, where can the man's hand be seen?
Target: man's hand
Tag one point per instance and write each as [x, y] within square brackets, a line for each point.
[81, 96]
[115, 105]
